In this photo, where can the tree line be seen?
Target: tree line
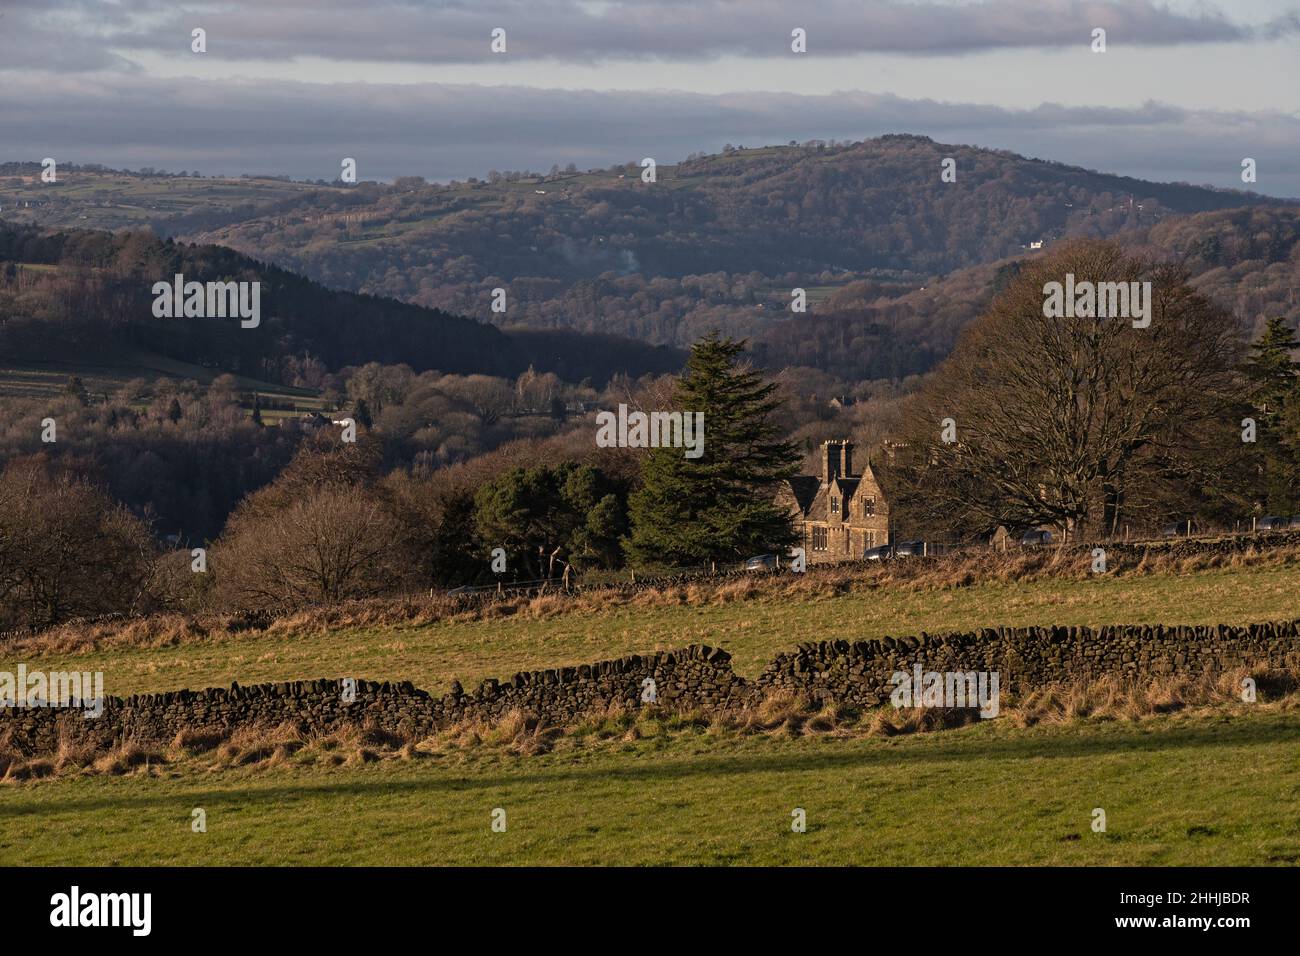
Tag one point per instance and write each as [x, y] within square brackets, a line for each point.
[336, 523]
[1083, 424]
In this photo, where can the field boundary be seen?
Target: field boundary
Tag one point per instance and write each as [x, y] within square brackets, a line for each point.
[852, 674]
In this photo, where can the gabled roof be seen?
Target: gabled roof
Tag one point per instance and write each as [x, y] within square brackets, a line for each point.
[813, 497]
[804, 488]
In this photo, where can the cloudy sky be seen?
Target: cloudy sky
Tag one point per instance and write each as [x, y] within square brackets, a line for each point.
[1184, 91]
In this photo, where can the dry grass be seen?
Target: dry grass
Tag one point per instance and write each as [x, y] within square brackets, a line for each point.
[1112, 698]
[779, 715]
[947, 573]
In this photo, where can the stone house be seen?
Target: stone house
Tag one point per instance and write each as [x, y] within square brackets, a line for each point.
[838, 514]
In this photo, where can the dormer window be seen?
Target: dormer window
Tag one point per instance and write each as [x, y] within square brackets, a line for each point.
[868, 507]
[835, 506]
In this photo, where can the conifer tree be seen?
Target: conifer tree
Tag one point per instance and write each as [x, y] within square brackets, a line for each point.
[719, 506]
[1275, 377]
[1272, 369]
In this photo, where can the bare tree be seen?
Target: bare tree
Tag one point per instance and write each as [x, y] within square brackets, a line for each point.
[68, 550]
[1072, 421]
[335, 542]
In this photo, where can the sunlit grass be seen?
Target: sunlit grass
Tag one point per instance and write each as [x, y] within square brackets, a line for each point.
[1204, 790]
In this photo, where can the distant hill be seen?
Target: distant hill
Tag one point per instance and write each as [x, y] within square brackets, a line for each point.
[716, 241]
[91, 196]
[1246, 260]
[69, 296]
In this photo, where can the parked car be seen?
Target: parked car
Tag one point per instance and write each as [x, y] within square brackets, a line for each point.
[881, 553]
[1272, 523]
[909, 549]
[1035, 537]
[762, 562]
[1295, 522]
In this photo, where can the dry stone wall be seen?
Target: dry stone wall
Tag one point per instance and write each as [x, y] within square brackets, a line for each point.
[858, 674]
[697, 677]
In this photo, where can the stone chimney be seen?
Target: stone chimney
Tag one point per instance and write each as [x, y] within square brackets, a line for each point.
[830, 460]
[837, 459]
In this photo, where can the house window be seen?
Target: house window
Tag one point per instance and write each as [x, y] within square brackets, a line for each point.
[835, 506]
[868, 507]
[819, 539]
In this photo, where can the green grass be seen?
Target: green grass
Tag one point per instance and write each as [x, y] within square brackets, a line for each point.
[1205, 790]
[111, 369]
[753, 631]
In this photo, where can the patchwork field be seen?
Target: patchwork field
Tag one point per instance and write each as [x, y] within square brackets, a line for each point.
[106, 373]
[91, 199]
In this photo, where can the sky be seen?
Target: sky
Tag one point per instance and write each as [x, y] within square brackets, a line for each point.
[1183, 92]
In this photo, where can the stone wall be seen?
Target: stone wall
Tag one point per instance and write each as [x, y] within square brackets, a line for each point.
[858, 674]
[698, 677]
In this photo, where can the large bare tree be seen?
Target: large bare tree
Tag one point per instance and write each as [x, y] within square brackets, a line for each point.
[1075, 421]
[67, 550]
[336, 542]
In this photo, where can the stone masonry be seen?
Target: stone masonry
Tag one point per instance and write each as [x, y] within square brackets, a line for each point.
[856, 674]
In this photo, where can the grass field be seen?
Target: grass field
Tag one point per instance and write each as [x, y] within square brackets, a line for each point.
[1215, 789]
[109, 371]
[1213, 783]
[754, 631]
[104, 200]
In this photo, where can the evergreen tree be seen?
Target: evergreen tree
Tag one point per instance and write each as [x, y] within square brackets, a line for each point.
[550, 516]
[1271, 368]
[719, 506]
[361, 414]
[1274, 376]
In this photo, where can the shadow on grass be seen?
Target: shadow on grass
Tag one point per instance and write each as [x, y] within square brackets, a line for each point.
[425, 777]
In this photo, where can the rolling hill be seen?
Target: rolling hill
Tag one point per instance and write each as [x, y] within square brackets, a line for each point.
[84, 298]
[716, 241]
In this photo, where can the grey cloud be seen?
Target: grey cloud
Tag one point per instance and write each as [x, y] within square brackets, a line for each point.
[445, 131]
[94, 35]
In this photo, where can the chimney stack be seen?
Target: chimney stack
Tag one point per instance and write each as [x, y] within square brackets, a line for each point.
[830, 460]
[837, 459]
